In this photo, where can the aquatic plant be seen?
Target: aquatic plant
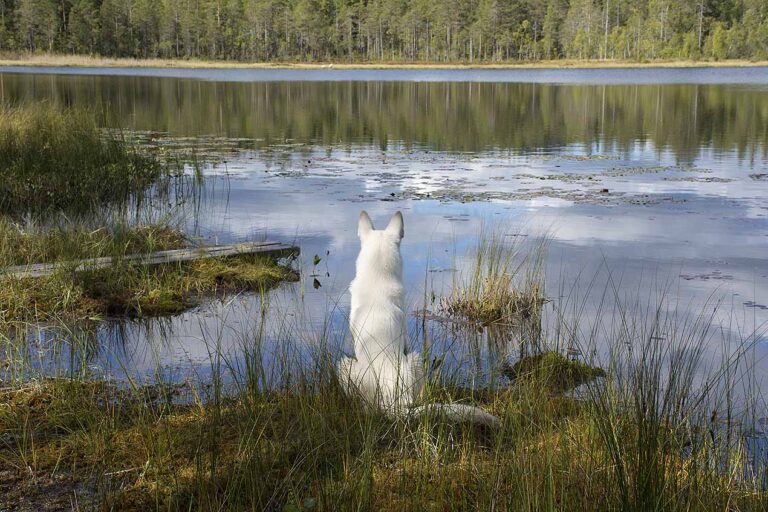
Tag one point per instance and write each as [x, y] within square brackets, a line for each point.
[553, 371]
[55, 159]
[503, 284]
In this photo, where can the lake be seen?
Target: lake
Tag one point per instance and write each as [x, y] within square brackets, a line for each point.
[647, 183]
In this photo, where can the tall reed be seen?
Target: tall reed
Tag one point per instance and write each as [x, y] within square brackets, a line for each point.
[58, 159]
[271, 429]
[504, 282]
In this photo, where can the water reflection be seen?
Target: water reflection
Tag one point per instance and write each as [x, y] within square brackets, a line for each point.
[630, 181]
[685, 119]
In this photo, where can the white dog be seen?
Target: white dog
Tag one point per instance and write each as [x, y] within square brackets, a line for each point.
[382, 371]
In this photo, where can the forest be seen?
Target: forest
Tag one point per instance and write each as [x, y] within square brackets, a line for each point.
[471, 31]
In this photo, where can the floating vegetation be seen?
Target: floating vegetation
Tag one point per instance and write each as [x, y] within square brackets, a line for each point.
[715, 275]
[176, 151]
[594, 196]
[649, 169]
[579, 158]
[562, 177]
[700, 179]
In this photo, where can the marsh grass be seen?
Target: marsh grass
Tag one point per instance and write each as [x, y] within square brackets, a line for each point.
[26, 243]
[503, 284]
[124, 289]
[135, 291]
[282, 440]
[662, 402]
[70, 191]
[131, 290]
[57, 159]
[553, 371]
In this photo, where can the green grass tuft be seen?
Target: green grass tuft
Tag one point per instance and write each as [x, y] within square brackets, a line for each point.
[57, 159]
[501, 286]
[123, 289]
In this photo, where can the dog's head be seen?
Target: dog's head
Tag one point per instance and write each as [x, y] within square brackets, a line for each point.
[392, 234]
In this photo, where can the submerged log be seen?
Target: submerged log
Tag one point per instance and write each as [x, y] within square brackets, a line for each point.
[271, 249]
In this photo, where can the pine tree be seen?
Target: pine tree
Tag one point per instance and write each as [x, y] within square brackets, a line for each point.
[432, 30]
[83, 27]
[37, 25]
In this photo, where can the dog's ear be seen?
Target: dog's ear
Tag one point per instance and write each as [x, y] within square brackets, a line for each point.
[395, 226]
[364, 225]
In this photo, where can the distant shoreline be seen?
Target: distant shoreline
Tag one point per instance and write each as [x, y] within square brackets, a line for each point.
[86, 61]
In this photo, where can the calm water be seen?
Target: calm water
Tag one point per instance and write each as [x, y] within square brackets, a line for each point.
[641, 178]
[597, 76]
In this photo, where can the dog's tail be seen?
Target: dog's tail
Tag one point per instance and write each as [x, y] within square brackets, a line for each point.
[459, 413]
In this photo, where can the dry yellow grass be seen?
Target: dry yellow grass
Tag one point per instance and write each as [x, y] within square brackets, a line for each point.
[89, 61]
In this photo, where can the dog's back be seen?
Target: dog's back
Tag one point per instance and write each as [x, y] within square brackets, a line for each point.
[377, 316]
[382, 371]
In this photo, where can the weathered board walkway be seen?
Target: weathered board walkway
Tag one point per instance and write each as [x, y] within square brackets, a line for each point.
[271, 249]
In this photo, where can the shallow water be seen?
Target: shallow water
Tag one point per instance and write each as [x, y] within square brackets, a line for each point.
[646, 181]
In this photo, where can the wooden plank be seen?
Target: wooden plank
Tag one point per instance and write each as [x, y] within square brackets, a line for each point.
[272, 249]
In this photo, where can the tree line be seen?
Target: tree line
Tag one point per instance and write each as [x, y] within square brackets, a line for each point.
[389, 30]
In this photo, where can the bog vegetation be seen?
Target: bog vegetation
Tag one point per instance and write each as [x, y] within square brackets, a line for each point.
[275, 439]
[500, 287]
[387, 30]
[54, 159]
[65, 188]
[269, 427]
[126, 288]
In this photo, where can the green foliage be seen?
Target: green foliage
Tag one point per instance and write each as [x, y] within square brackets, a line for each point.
[389, 30]
[553, 371]
[83, 27]
[58, 159]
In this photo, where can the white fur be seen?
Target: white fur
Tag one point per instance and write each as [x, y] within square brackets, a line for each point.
[381, 371]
